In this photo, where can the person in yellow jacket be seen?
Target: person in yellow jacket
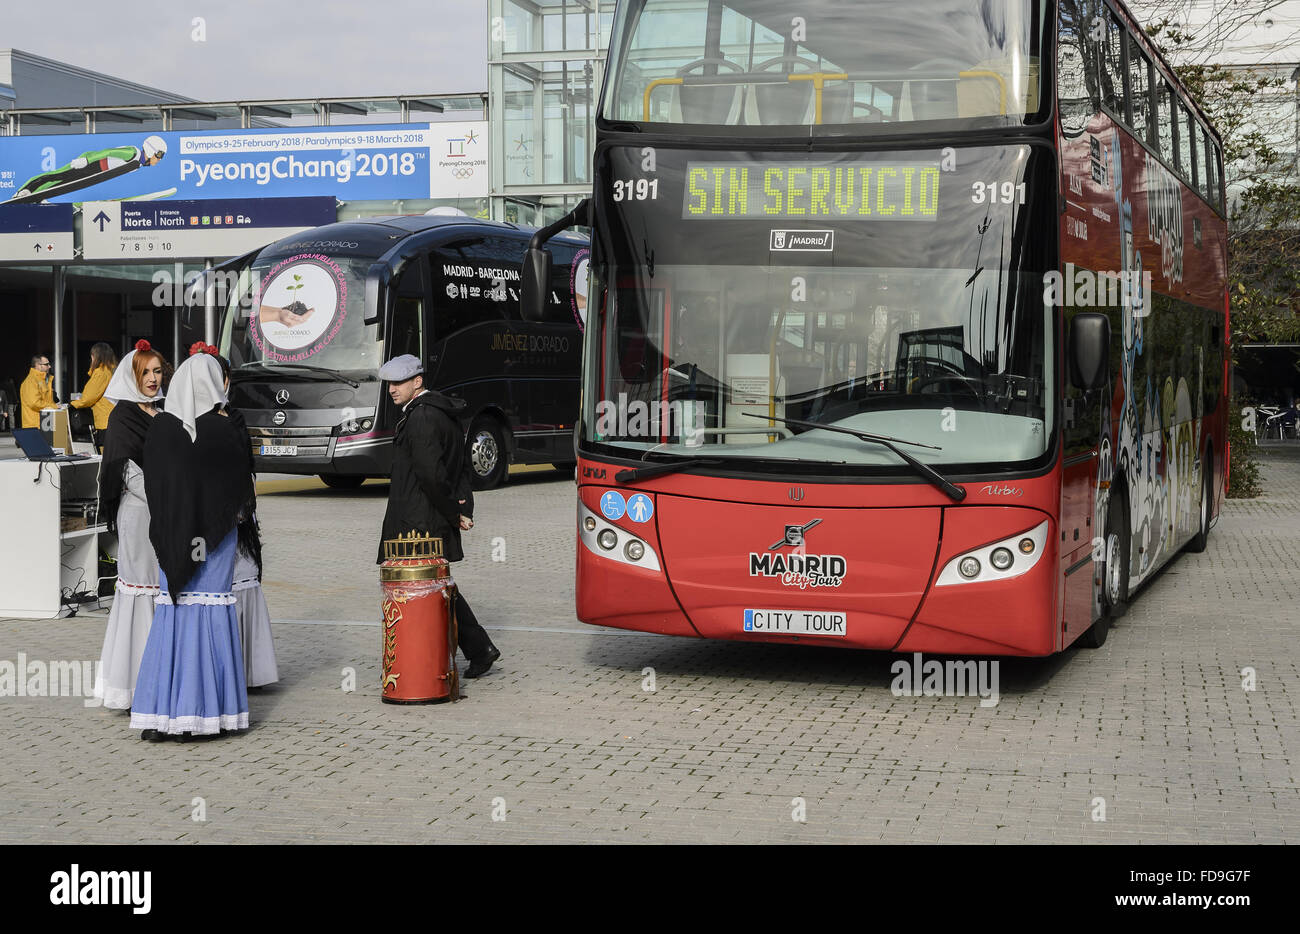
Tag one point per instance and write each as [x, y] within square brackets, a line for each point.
[37, 391]
[102, 364]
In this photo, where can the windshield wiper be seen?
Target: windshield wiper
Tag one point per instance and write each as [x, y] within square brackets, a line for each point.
[319, 372]
[632, 474]
[956, 493]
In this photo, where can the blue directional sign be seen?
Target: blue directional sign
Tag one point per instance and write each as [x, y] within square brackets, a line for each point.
[36, 233]
[36, 218]
[214, 227]
[640, 507]
[612, 505]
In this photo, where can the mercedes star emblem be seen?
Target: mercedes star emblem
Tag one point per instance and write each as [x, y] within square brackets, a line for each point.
[282, 396]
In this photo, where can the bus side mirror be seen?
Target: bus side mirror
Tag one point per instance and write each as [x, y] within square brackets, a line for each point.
[1089, 350]
[536, 285]
[376, 293]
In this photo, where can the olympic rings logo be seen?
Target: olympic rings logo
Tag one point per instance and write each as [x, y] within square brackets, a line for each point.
[464, 171]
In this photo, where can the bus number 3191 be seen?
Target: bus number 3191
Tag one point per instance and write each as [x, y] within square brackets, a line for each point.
[640, 189]
[998, 192]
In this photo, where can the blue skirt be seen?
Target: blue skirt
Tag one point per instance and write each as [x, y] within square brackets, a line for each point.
[192, 674]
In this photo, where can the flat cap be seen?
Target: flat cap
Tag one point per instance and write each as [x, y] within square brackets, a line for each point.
[400, 369]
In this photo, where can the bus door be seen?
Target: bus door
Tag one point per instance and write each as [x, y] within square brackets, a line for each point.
[1086, 454]
[555, 355]
[404, 327]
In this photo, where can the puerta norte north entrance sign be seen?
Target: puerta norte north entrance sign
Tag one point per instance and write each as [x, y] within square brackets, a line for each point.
[141, 230]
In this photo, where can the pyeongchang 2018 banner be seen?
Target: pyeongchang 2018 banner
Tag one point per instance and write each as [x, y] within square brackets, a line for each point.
[354, 163]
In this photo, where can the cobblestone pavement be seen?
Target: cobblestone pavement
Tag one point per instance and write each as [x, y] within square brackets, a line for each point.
[562, 741]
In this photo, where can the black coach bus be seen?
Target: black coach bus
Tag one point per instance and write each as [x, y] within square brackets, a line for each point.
[307, 321]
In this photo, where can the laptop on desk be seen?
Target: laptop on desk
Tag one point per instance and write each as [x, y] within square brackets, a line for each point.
[37, 448]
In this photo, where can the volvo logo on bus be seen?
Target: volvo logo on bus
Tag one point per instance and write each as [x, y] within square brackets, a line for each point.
[798, 569]
[282, 396]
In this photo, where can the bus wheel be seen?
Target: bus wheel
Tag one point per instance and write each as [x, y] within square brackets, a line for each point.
[1114, 575]
[487, 453]
[1198, 542]
[342, 481]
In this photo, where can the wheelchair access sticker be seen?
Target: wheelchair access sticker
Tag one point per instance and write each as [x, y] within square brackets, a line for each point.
[612, 505]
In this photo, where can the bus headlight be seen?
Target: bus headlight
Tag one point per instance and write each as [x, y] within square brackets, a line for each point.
[614, 543]
[996, 560]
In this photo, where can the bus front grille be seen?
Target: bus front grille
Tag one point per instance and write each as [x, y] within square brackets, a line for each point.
[310, 442]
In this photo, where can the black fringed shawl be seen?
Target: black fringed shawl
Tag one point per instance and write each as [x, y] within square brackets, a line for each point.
[249, 538]
[196, 489]
[127, 429]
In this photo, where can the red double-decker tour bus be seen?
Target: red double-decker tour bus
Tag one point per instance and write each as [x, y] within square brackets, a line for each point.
[908, 325]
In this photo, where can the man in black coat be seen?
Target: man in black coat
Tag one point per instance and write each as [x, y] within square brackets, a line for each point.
[430, 491]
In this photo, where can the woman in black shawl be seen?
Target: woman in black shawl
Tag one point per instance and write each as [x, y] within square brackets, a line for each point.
[260, 667]
[136, 386]
[192, 675]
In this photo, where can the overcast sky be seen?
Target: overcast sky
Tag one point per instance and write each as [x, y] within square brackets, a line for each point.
[257, 49]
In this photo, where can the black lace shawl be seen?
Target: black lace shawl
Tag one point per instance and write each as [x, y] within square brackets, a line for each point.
[127, 429]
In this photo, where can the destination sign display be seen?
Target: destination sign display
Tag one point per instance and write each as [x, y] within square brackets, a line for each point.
[878, 191]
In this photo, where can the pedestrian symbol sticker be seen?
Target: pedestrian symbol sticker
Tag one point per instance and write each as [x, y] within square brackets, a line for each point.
[640, 508]
[612, 505]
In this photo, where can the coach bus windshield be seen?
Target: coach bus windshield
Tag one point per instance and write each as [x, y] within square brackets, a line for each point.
[883, 293]
[852, 64]
[304, 309]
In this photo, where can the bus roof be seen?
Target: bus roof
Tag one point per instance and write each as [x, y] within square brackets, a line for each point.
[376, 236]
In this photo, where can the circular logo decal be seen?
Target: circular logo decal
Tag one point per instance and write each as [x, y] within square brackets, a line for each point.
[301, 305]
[578, 285]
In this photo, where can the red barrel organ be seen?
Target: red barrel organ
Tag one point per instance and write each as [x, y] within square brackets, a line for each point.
[419, 630]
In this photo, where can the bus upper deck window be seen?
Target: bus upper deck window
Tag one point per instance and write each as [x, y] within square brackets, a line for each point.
[1139, 85]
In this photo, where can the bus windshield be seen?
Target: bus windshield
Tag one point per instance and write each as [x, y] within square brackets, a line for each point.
[301, 309]
[929, 326]
[826, 62]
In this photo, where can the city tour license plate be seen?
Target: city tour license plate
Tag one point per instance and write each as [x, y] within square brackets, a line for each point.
[798, 622]
[279, 450]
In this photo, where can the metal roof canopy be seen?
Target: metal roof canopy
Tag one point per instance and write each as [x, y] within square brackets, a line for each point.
[322, 108]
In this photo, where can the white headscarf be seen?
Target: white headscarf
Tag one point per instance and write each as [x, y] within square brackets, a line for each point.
[195, 390]
[123, 387]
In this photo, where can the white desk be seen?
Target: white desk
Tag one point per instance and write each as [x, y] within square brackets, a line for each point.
[38, 562]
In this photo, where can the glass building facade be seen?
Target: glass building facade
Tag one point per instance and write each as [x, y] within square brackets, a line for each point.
[546, 60]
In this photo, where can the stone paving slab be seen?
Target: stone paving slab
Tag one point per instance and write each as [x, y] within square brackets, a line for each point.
[562, 742]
